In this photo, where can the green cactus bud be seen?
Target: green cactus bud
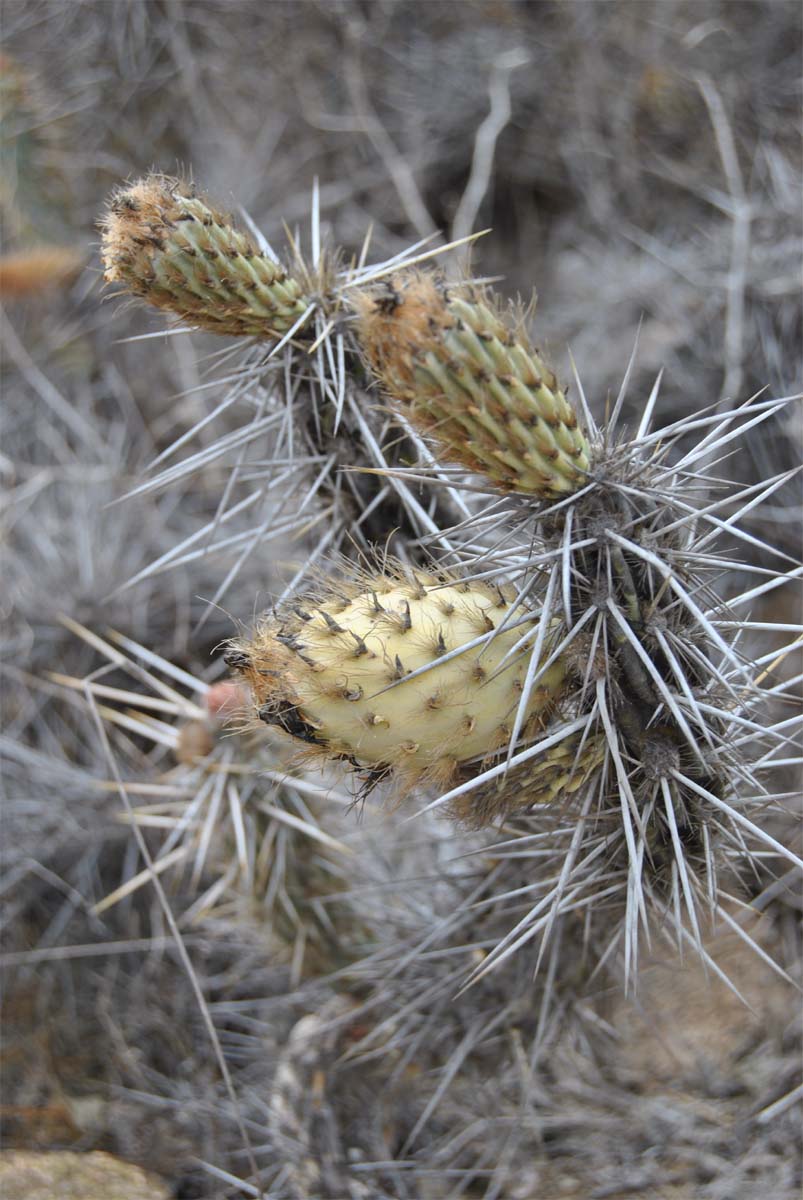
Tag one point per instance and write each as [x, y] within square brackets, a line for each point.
[167, 246]
[557, 773]
[465, 376]
[324, 674]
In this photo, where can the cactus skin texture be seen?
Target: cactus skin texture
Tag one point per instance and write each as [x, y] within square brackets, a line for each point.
[552, 776]
[321, 673]
[465, 377]
[166, 245]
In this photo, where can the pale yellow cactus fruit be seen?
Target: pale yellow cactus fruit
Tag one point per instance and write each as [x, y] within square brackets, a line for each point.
[462, 371]
[338, 674]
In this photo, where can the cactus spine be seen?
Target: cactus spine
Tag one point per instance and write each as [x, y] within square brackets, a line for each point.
[555, 774]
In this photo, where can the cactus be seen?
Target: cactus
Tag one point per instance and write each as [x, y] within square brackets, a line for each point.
[166, 245]
[412, 674]
[261, 853]
[408, 973]
[463, 372]
[611, 693]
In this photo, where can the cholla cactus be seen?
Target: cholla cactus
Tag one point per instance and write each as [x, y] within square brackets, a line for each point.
[258, 852]
[579, 672]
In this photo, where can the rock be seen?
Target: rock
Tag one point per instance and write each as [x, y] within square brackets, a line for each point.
[65, 1175]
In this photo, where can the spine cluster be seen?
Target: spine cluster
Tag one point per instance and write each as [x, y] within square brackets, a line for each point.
[545, 780]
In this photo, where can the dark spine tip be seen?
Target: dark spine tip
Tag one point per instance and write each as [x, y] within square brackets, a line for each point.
[388, 300]
[361, 646]
[331, 622]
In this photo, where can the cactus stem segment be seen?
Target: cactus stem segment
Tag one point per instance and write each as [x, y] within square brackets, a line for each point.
[461, 374]
[166, 245]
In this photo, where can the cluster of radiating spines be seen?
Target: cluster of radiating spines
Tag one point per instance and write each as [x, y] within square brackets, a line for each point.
[407, 675]
[463, 372]
[546, 779]
[630, 566]
[166, 245]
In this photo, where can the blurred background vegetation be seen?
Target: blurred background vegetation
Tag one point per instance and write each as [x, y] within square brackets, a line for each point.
[637, 162]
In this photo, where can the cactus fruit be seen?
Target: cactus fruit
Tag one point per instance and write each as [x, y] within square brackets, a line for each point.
[39, 269]
[336, 674]
[465, 376]
[166, 245]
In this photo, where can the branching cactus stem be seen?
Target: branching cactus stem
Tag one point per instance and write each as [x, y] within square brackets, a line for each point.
[578, 669]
